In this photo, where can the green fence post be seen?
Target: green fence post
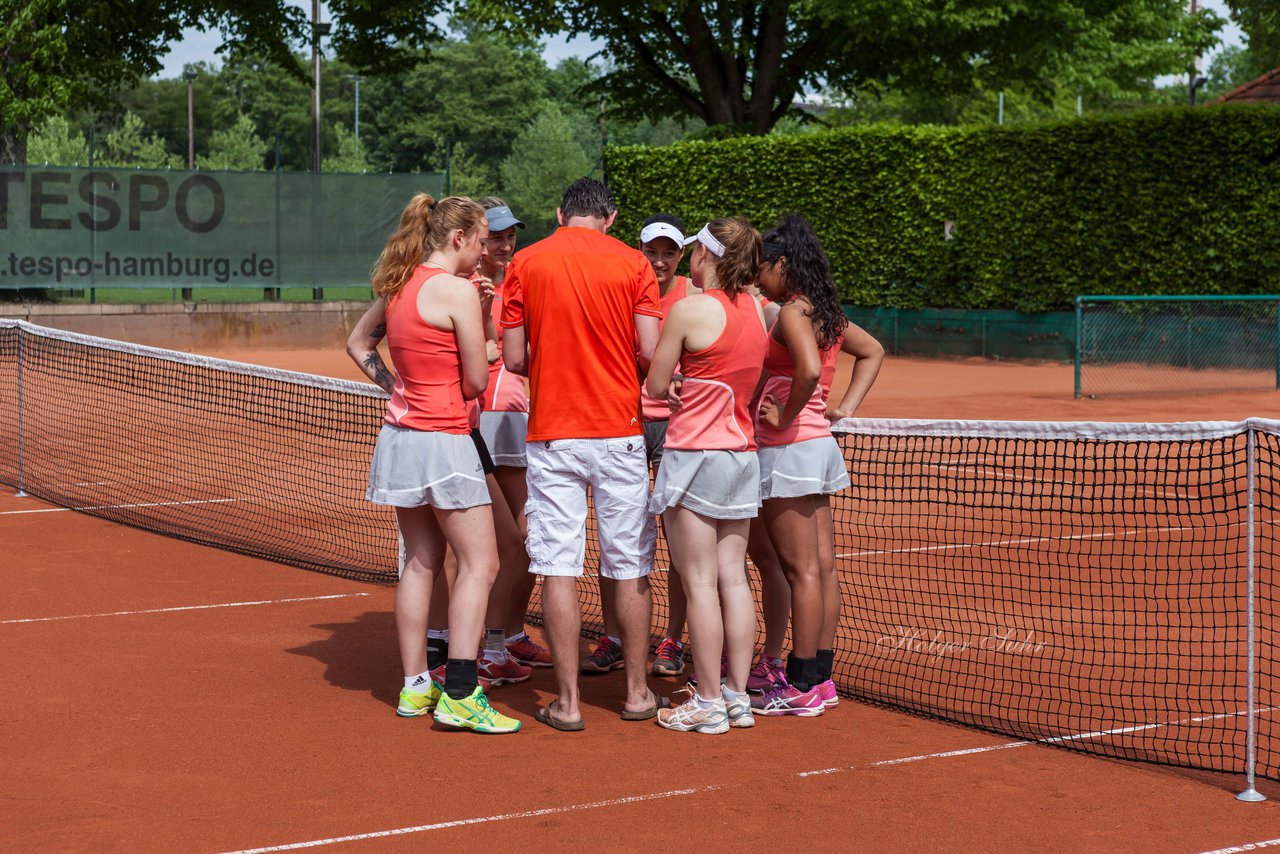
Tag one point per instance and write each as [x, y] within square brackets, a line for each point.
[1079, 341]
[93, 232]
[1278, 346]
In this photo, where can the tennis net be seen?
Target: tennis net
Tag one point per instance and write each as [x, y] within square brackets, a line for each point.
[1084, 585]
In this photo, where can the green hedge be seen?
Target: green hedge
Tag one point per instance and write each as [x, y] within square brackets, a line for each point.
[1175, 201]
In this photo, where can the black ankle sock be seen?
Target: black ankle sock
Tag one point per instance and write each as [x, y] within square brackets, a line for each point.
[460, 677]
[826, 658]
[801, 671]
[437, 652]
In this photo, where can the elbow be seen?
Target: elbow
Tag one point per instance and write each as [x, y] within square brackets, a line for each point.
[474, 386]
[515, 363]
[657, 390]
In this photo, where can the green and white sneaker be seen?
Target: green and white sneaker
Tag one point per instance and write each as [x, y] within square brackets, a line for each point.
[474, 712]
[415, 704]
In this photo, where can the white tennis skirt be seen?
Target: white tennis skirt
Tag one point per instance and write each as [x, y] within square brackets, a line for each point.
[812, 467]
[504, 433]
[718, 484]
[413, 468]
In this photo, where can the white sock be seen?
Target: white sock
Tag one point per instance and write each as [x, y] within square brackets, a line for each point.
[730, 696]
[495, 647]
[517, 637]
[418, 683]
[616, 641]
[704, 704]
[438, 634]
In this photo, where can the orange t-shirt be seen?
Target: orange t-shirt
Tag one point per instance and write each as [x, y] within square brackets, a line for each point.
[575, 293]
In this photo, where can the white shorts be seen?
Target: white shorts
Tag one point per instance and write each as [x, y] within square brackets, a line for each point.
[504, 434]
[617, 472]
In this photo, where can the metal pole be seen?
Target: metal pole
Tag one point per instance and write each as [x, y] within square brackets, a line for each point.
[448, 156]
[93, 232]
[358, 78]
[1079, 105]
[1000, 113]
[1079, 341]
[21, 493]
[1193, 7]
[191, 124]
[604, 138]
[1250, 794]
[315, 85]
[1278, 346]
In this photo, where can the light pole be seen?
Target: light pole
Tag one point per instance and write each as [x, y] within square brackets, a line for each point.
[318, 30]
[189, 74]
[356, 78]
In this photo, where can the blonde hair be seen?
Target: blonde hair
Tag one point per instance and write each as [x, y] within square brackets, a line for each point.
[743, 252]
[425, 226]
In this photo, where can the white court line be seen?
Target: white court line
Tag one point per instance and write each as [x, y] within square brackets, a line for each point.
[121, 506]
[948, 547]
[1248, 846]
[184, 608]
[444, 825]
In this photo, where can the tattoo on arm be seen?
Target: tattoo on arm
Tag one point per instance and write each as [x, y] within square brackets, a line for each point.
[378, 332]
[378, 372]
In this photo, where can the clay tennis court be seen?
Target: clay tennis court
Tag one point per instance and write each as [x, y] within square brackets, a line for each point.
[159, 695]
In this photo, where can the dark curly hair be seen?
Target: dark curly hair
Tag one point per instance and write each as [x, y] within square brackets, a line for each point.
[807, 274]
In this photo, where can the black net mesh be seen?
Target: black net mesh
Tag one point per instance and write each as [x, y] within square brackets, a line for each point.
[1082, 585]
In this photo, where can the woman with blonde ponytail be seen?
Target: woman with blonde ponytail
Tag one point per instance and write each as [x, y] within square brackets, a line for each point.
[708, 484]
[425, 463]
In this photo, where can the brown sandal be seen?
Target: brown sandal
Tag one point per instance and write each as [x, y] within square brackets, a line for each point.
[544, 715]
[649, 713]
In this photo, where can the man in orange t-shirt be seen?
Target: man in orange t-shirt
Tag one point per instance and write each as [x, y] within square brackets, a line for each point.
[576, 306]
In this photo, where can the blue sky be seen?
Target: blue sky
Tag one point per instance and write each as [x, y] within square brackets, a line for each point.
[196, 46]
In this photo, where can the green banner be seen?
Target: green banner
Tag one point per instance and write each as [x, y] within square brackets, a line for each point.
[66, 227]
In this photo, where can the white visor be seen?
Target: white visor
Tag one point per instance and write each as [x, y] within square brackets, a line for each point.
[661, 229]
[707, 239]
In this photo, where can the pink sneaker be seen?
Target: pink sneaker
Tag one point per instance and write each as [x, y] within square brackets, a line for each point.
[763, 674]
[785, 699]
[491, 674]
[827, 691]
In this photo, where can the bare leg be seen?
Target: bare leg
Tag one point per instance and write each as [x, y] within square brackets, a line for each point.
[564, 624]
[693, 543]
[677, 603]
[470, 535]
[827, 572]
[439, 618]
[515, 492]
[793, 528]
[609, 607]
[513, 561]
[424, 559]
[775, 592]
[738, 610]
[633, 601]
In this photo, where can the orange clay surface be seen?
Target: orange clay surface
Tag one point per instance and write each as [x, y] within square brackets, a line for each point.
[159, 696]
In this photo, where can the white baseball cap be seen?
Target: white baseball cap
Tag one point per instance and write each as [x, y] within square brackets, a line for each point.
[707, 239]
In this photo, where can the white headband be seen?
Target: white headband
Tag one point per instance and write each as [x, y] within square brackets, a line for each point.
[707, 239]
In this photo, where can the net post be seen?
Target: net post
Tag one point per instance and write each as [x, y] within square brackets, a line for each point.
[21, 493]
[1250, 794]
[1278, 346]
[1080, 342]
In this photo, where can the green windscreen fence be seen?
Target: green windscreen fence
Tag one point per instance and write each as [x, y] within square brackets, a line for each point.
[1177, 345]
[960, 332]
[71, 228]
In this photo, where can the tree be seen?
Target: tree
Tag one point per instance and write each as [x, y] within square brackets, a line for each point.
[236, 149]
[543, 161]
[742, 64]
[131, 146]
[1260, 21]
[469, 175]
[56, 142]
[61, 54]
[349, 155]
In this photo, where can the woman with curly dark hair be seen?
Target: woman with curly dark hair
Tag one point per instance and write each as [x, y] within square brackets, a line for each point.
[800, 461]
